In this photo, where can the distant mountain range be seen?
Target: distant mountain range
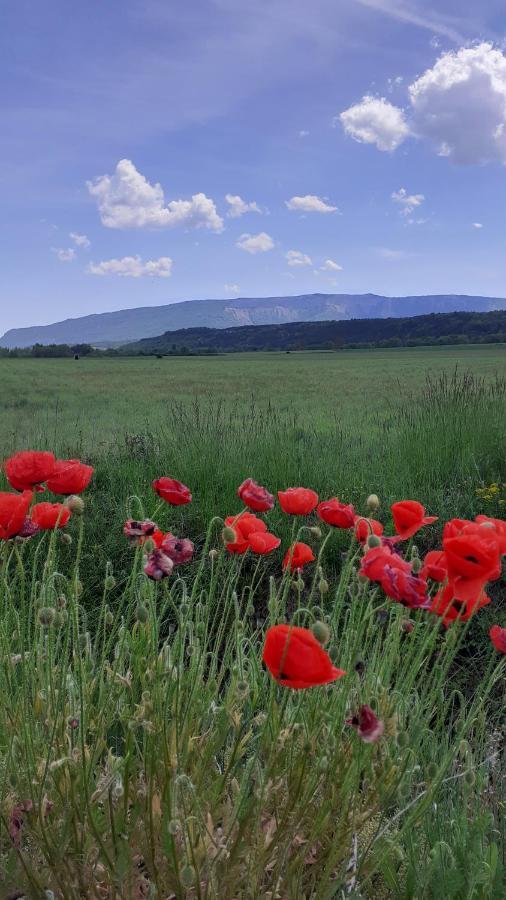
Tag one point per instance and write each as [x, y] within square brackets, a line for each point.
[116, 328]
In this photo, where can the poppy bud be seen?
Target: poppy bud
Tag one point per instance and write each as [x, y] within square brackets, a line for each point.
[61, 601]
[75, 504]
[469, 778]
[66, 539]
[229, 535]
[46, 616]
[373, 541]
[141, 613]
[110, 582]
[432, 771]
[323, 586]
[321, 632]
[149, 545]
[79, 588]
[174, 826]
[316, 531]
[373, 502]
[213, 554]
[416, 565]
[109, 618]
[403, 739]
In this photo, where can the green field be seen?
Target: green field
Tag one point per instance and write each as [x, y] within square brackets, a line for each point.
[145, 750]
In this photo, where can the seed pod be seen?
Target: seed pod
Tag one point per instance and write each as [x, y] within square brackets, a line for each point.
[373, 502]
[46, 616]
[75, 504]
[321, 632]
[141, 613]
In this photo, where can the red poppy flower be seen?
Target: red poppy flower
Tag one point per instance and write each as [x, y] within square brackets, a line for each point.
[136, 531]
[409, 516]
[498, 638]
[255, 496]
[50, 515]
[244, 525]
[296, 659]
[179, 550]
[13, 512]
[297, 556]
[386, 567]
[298, 501]
[365, 527]
[29, 468]
[174, 492]
[70, 476]
[368, 726]
[263, 542]
[471, 561]
[339, 515]
[497, 526]
[158, 565]
[435, 566]
[446, 605]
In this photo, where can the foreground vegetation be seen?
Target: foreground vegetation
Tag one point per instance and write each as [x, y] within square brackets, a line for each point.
[145, 751]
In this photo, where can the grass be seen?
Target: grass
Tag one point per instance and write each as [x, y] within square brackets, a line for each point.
[144, 751]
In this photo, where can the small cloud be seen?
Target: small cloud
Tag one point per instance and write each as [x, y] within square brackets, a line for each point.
[392, 255]
[310, 203]
[303, 133]
[477, 225]
[407, 202]
[434, 42]
[375, 121]
[64, 254]
[232, 288]
[330, 266]
[255, 243]
[133, 267]
[80, 240]
[297, 258]
[238, 206]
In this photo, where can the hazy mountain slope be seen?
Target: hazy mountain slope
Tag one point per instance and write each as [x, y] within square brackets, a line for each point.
[105, 329]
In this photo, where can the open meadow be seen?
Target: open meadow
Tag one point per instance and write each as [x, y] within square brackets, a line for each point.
[145, 751]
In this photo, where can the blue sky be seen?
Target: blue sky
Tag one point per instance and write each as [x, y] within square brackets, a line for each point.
[365, 140]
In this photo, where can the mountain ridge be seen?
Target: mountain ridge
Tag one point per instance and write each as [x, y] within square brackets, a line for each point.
[125, 325]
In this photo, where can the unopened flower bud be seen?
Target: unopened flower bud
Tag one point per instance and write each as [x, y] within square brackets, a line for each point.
[229, 535]
[75, 504]
[321, 632]
[416, 565]
[141, 613]
[61, 601]
[373, 502]
[470, 778]
[432, 771]
[46, 616]
[109, 618]
[174, 826]
[373, 541]
[323, 586]
[316, 531]
[403, 739]
[66, 539]
[110, 582]
[213, 554]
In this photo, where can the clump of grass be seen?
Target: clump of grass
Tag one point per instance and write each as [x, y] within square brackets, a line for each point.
[144, 751]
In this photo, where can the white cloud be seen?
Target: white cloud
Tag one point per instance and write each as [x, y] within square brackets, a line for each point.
[392, 255]
[133, 267]
[80, 240]
[64, 254]
[303, 133]
[297, 258]
[477, 225]
[407, 202]
[126, 199]
[255, 243]
[310, 203]
[414, 13]
[375, 121]
[330, 266]
[238, 206]
[232, 288]
[458, 105]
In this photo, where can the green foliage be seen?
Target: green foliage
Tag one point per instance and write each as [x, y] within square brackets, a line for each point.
[153, 756]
